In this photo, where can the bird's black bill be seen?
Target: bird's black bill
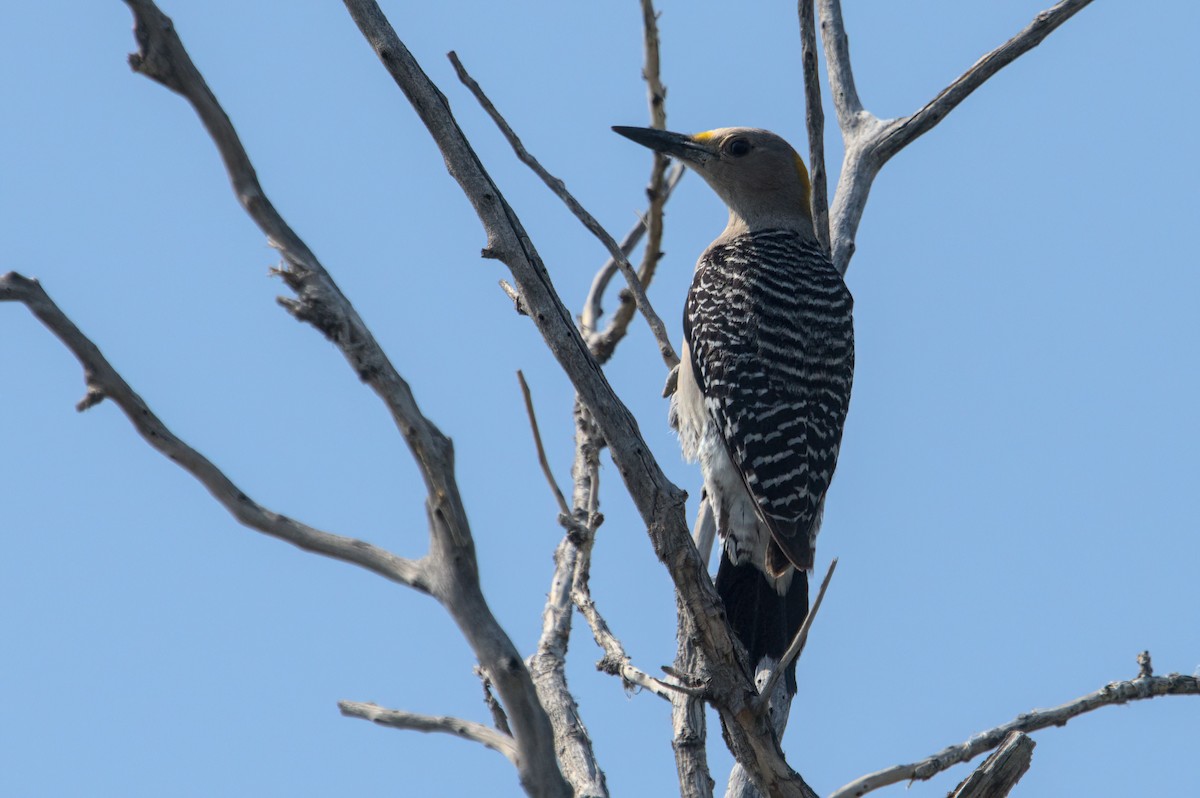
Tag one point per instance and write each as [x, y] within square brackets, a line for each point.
[677, 145]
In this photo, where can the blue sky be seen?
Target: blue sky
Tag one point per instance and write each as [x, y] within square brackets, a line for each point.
[1015, 509]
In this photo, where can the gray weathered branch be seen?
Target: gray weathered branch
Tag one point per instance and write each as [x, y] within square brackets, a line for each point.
[560, 190]
[1001, 771]
[547, 472]
[814, 122]
[466, 729]
[689, 729]
[689, 733]
[660, 503]
[871, 142]
[453, 576]
[615, 661]
[1113, 694]
[899, 133]
[797, 644]
[104, 382]
[603, 343]
[577, 758]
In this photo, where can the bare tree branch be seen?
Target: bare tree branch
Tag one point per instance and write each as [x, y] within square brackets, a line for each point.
[587, 496]
[560, 190]
[689, 733]
[660, 503]
[1001, 771]
[797, 644]
[541, 450]
[548, 664]
[604, 343]
[689, 728]
[899, 133]
[499, 719]
[704, 531]
[656, 92]
[451, 565]
[870, 142]
[466, 729]
[814, 122]
[512, 294]
[103, 381]
[1113, 694]
[616, 662]
[576, 756]
[837, 60]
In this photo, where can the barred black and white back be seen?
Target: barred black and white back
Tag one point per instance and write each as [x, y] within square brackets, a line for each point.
[762, 400]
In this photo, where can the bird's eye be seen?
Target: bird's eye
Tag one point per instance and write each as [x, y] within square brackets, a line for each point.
[738, 147]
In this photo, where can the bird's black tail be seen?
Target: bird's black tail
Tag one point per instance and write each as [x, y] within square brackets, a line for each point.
[763, 619]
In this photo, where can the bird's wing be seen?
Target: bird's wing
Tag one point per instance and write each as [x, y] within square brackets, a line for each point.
[774, 358]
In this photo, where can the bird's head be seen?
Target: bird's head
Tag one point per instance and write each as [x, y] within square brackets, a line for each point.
[758, 174]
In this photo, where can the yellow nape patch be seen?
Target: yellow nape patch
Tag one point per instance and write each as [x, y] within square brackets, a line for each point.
[802, 171]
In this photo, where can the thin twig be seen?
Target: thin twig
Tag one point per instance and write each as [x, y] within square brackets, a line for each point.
[616, 662]
[656, 92]
[593, 305]
[103, 381]
[399, 719]
[560, 190]
[814, 122]
[704, 531]
[902, 132]
[499, 718]
[512, 294]
[1113, 694]
[604, 342]
[541, 450]
[870, 142]
[837, 61]
[453, 570]
[797, 644]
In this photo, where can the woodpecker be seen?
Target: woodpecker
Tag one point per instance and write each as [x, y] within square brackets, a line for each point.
[764, 381]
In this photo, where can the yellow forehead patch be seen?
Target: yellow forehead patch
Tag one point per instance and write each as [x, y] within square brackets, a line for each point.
[705, 136]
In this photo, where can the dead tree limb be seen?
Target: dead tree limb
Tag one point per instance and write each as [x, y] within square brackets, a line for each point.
[660, 503]
[1001, 771]
[1113, 694]
[453, 576]
[466, 729]
[869, 141]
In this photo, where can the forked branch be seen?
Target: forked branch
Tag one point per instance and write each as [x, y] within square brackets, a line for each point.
[870, 142]
[453, 576]
[104, 382]
[1113, 694]
[559, 188]
[1001, 771]
[902, 132]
